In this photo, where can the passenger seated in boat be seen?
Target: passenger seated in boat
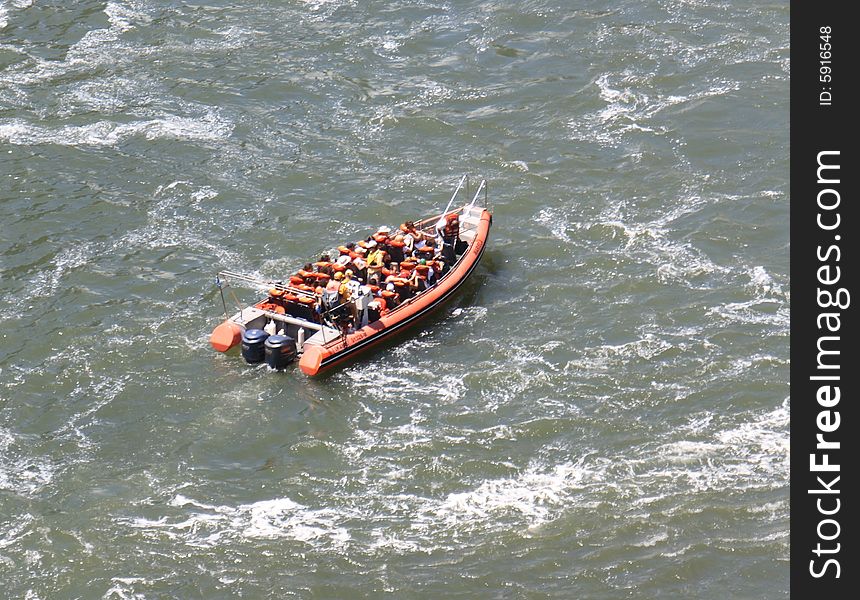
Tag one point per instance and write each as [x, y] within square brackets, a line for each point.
[331, 295]
[323, 265]
[391, 271]
[390, 295]
[396, 248]
[425, 249]
[409, 241]
[381, 235]
[375, 261]
[425, 270]
[374, 311]
[360, 266]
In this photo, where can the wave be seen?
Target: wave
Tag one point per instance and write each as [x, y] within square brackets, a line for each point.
[209, 127]
[207, 525]
[22, 471]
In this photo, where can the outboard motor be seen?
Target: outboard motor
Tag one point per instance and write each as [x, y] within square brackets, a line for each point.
[280, 351]
[253, 345]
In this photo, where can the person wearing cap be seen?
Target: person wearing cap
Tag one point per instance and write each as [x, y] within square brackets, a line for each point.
[343, 289]
[390, 295]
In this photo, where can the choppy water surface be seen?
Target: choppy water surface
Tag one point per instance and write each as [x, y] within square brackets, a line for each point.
[603, 413]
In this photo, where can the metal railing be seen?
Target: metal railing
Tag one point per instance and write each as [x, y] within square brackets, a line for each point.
[427, 225]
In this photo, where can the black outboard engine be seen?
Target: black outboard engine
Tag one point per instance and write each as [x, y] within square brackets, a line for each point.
[280, 351]
[253, 345]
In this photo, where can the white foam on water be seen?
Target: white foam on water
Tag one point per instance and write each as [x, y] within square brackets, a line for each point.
[763, 284]
[207, 525]
[752, 312]
[517, 164]
[628, 108]
[209, 127]
[385, 542]
[122, 588]
[21, 472]
[450, 388]
[559, 223]
[533, 496]
[385, 45]
[662, 479]
[648, 347]
[753, 455]
[14, 530]
[4, 10]
[96, 48]
[321, 10]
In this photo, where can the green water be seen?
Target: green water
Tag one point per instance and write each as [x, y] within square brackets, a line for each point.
[602, 413]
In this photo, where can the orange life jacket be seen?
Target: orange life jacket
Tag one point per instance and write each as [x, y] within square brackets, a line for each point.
[271, 307]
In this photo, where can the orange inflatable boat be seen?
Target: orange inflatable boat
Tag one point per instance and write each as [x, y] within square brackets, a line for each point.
[352, 302]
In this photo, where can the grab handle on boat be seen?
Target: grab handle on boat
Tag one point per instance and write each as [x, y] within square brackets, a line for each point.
[478, 193]
[457, 191]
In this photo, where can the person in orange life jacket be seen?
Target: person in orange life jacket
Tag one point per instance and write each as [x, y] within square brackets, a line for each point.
[323, 265]
[395, 248]
[359, 264]
[448, 232]
[393, 271]
[343, 260]
[425, 249]
[390, 295]
[408, 228]
[381, 236]
[431, 273]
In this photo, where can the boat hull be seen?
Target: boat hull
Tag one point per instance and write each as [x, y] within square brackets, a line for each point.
[317, 359]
